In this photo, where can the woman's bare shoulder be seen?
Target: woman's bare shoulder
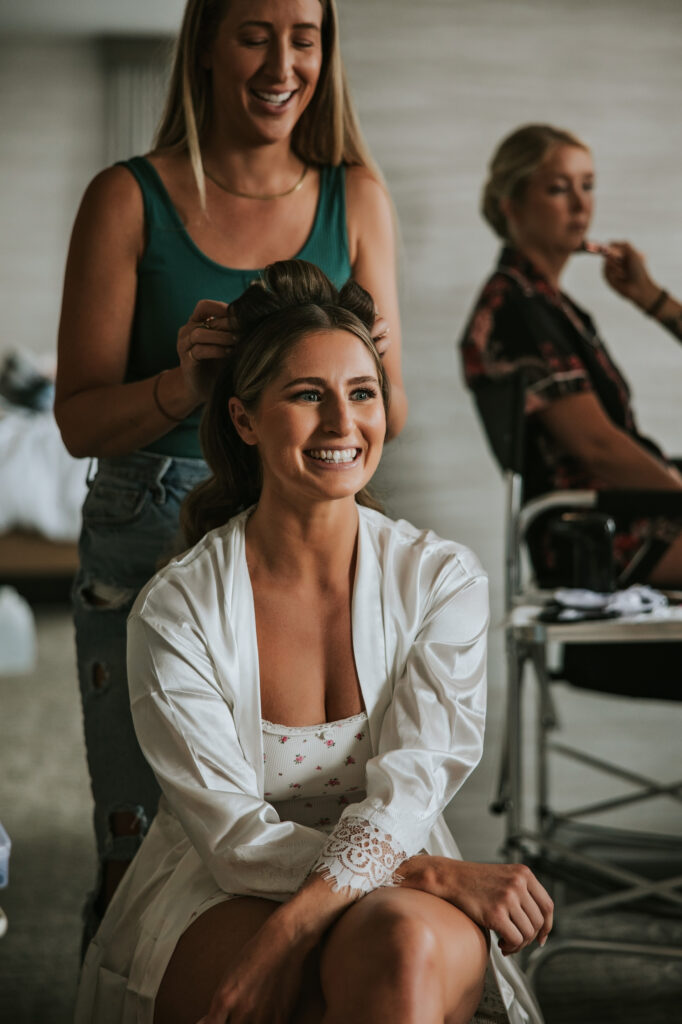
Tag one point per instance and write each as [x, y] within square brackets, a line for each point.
[115, 184]
[369, 214]
[110, 220]
[363, 186]
[112, 207]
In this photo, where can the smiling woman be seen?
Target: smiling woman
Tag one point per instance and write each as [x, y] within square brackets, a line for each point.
[258, 157]
[289, 396]
[308, 684]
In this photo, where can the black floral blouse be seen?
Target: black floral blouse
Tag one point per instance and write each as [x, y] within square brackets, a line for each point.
[520, 322]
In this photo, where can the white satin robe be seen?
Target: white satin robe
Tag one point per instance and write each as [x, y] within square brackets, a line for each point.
[419, 621]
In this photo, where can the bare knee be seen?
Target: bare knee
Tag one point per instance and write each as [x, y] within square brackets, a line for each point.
[407, 942]
[403, 955]
[378, 939]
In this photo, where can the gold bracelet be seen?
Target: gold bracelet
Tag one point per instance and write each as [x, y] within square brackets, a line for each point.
[157, 401]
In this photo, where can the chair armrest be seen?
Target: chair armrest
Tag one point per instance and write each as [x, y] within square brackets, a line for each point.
[612, 502]
[640, 503]
[556, 500]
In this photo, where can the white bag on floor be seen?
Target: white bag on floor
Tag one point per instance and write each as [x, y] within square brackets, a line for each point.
[17, 634]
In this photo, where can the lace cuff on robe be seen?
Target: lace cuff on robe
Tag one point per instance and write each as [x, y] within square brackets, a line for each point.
[358, 857]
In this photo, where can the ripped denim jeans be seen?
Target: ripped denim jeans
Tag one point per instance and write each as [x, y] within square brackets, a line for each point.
[130, 526]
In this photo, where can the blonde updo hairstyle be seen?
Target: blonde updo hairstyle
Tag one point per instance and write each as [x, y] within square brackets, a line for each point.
[512, 164]
[292, 299]
[328, 131]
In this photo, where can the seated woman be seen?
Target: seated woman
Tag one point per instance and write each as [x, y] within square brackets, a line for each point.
[308, 684]
[580, 430]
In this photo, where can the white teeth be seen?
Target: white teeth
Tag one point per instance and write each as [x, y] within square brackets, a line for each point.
[333, 454]
[274, 97]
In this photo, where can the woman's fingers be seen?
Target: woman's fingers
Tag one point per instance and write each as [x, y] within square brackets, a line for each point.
[216, 336]
[530, 919]
[545, 905]
[382, 345]
[201, 353]
[517, 929]
[509, 935]
[522, 910]
[211, 345]
[380, 334]
[207, 308]
[207, 335]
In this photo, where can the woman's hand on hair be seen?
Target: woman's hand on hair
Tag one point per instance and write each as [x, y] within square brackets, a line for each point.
[380, 333]
[626, 271]
[205, 337]
[505, 898]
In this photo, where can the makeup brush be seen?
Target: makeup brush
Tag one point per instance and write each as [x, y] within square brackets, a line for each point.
[596, 249]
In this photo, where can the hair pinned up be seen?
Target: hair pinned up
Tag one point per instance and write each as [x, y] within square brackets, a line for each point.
[513, 162]
[291, 299]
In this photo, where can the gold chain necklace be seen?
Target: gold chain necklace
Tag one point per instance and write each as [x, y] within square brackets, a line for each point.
[249, 195]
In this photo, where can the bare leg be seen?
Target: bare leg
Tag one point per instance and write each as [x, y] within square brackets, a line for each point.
[404, 956]
[398, 955]
[203, 955]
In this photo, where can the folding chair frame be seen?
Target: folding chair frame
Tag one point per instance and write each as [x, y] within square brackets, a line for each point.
[500, 404]
[527, 640]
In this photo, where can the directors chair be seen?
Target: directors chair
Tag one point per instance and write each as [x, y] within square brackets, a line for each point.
[590, 868]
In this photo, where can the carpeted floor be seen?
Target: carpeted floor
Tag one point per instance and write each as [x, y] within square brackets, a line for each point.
[45, 807]
[603, 989]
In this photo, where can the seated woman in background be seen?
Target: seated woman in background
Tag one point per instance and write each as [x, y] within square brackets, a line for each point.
[580, 431]
[308, 684]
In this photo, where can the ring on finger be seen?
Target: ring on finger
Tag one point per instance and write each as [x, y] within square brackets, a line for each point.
[208, 322]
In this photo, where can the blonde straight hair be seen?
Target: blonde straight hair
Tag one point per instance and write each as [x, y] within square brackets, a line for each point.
[328, 132]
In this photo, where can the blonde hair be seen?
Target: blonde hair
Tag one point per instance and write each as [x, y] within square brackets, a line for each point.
[513, 162]
[291, 300]
[328, 131]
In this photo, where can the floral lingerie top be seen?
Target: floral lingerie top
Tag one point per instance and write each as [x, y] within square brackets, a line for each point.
[521, 322]
[312, 773]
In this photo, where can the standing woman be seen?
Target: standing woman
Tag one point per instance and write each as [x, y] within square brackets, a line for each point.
[258, 157]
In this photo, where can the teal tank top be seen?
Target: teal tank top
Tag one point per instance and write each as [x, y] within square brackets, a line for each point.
[174, 274]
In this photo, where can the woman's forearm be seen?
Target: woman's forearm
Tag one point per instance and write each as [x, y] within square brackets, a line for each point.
[657, 303]
[626, 271]
[583, 430]
[312, 910]
[397, 412]
[117, 419]
[621, 463]
[669, 316]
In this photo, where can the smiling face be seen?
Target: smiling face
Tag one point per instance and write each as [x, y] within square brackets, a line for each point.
[265, 63]
[320, 424]
[553, 214]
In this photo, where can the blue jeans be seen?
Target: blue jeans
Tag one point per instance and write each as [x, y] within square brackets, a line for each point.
[130, 526]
